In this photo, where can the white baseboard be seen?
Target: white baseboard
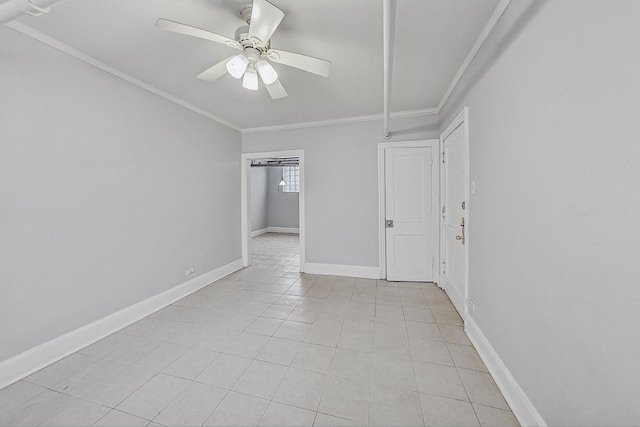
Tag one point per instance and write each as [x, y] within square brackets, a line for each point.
[342, 270]
[520, 404]
[259, 232]
[36, 358]
[283, 230]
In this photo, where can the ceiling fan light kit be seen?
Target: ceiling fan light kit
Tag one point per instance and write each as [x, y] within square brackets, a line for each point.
[250, 80]
[254, 41]
[237, 65]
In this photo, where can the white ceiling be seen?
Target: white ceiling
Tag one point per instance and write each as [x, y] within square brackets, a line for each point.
[432, 39]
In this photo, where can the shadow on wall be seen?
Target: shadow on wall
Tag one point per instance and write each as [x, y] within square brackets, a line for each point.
[483, 63]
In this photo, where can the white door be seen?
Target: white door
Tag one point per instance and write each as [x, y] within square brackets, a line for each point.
[408, 200]
[454, 265]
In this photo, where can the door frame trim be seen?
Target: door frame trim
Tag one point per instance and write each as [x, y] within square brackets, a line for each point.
[245, 201]
[462, 119]
[434, 144]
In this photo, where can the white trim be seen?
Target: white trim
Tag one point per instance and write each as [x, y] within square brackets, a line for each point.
[462, 119]
[289, 230]
[493, 20]
[23, 364]
[259, 232]
[520, 404]
[330, 122]
[245, 200]
[343, 270]
[56, 44]
[434, 145]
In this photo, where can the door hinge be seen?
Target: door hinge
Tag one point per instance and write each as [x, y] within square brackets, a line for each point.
[431, 261]
[443, 157]
[443, 212]
[444, 269]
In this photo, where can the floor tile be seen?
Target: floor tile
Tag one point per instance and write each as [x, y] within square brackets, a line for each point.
[278, 415]
[314, 357]
[192, 406]
[323, 334]
[304, 315]
[134, 351]
[393, 371]
[224, 371]
[394, 407]
[424, 331]
[247, 345]
[352, 364]
[430, 351]
[465, 356]
[280, 351]
[301, 388]
[152, 397]
[418, 314]
[439, 379]
[261, 379]
[117, 418]
[324, 420]
[442, 411]
[353, 339]
[447, 317]
[389, 311]
[277, 312]
[346, 398]
[78, 413]
[292, 330]
[191, 363]
[264, 326]
[17, 393]
[482, 389]
[37, 409]
[495, 417]
[118, 387]
[454, 334]
[61, 369]
[218, 339]
[238, 410]
[161, 356]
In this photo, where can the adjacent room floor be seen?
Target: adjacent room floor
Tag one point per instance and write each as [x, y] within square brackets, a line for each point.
[268, 346]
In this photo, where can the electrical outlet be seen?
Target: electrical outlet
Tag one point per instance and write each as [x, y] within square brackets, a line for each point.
[189, 271]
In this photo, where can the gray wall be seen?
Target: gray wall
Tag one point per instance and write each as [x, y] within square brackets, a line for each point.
[283, 209]
[258, 190]
[554, 149]
[341, 183]
[107, 194]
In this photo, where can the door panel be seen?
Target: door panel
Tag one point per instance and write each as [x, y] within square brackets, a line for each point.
[408, 187]
[453, 197]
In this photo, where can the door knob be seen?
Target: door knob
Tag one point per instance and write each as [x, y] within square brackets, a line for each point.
[389, 223]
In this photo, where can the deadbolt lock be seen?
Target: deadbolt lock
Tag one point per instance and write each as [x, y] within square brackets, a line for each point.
[389, 223]
[461, 238]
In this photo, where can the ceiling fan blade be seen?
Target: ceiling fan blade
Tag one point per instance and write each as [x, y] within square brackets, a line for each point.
[276, 90]
[177, 27]
[215, 72]
[265, 18]
[303, 62]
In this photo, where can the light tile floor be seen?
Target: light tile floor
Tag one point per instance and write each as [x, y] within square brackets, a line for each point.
[268, 346]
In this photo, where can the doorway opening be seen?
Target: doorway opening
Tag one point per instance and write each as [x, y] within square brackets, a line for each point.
[273, 210]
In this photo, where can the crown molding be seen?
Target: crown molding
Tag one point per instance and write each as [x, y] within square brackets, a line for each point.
[493, 20]
[345, 120]
[65, 48]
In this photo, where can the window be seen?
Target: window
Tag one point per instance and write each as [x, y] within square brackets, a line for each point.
[291, 175]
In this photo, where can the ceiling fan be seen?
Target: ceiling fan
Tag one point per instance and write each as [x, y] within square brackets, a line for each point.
[254, 40]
